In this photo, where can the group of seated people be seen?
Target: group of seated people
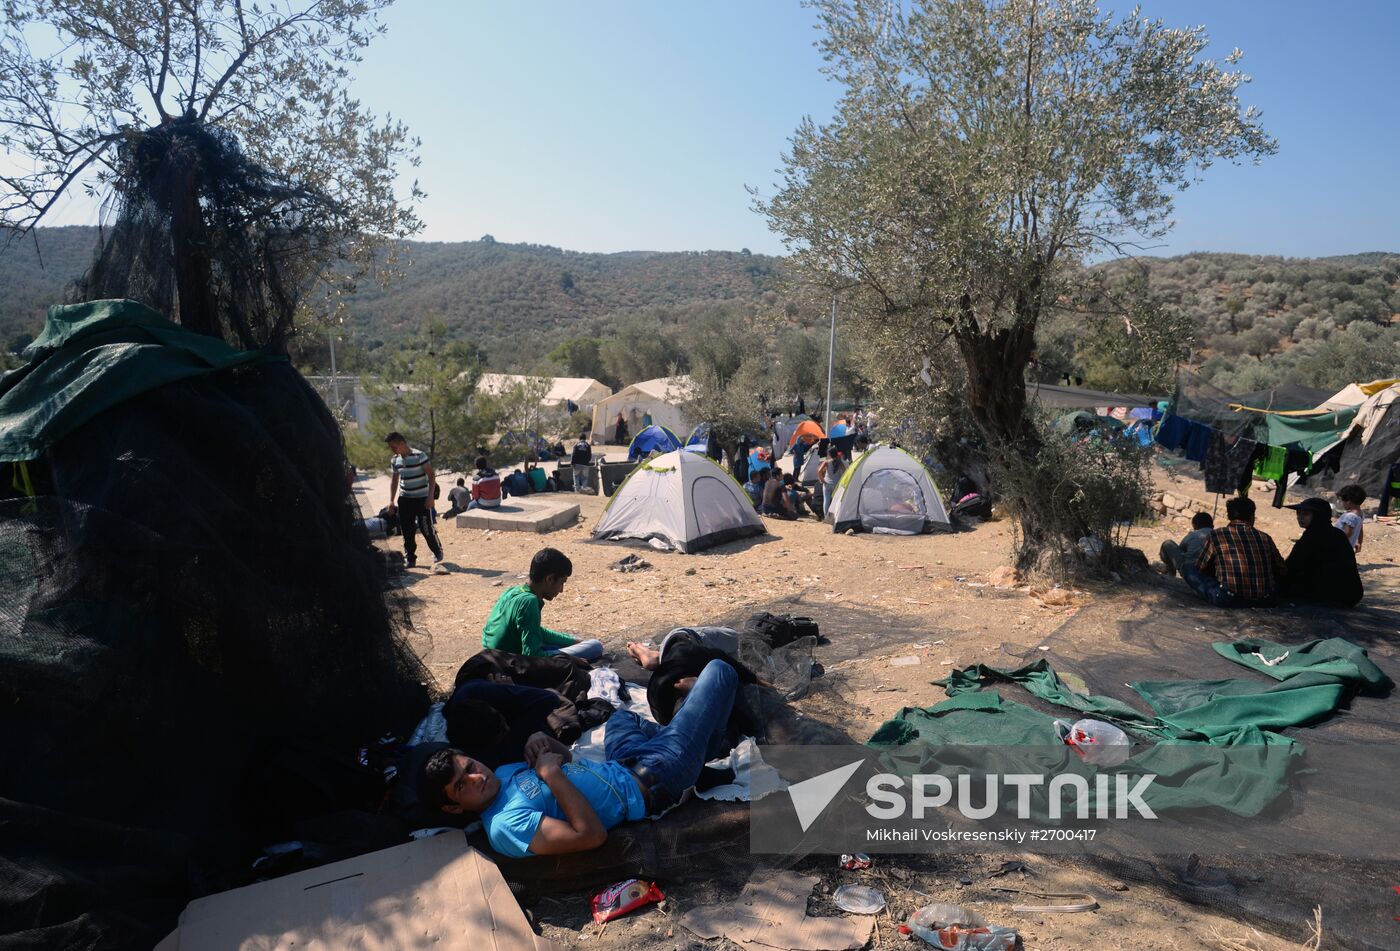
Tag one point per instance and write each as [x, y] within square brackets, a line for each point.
[1239, 566]
[781, 495]
[488, 487]
[531, 797]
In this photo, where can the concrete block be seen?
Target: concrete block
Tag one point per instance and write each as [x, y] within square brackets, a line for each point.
[534, 514]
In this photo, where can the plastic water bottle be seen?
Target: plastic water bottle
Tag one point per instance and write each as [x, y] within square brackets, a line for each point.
[1097, 743]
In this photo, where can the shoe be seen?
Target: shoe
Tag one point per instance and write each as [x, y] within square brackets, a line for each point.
[437, 559]
[411, 562]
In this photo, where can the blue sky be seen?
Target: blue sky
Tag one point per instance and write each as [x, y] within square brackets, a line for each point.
[609, 125]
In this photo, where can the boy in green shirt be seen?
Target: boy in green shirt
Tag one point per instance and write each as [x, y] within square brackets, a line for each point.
[514, 624]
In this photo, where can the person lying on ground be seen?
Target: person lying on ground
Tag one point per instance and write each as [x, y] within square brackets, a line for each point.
[1175, 556]
[1322, 564]
[486, 486]
[460, 498]
[1239, 566]
[678, 662]
[1351, 497]
[491, 722]
[514, 624]
[549, 805]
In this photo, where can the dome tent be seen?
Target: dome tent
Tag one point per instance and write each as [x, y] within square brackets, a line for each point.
[654, 438]
[886, 490]
[683, 499]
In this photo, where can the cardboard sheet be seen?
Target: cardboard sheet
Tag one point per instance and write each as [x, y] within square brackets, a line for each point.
[434, 893]
[772, 913]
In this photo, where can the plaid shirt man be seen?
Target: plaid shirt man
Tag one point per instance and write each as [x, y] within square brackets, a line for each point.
[1244, 560]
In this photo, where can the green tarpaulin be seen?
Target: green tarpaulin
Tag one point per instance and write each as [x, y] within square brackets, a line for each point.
[93, 356]
[1313, 433]
[1213, 743]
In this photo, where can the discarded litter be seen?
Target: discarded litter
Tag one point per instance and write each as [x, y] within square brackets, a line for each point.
[858, 899]
[1012, 866]
[853, 862]
[1078, 902]
[1097, 743]
[631, 563]
[624, 898]
[777, 905]
[953, 928]
[909, 660]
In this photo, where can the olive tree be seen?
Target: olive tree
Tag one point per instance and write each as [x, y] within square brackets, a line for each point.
[239, 168]
[981, 150]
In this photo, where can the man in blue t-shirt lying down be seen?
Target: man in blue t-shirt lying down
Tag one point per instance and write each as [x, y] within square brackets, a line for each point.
[549, 805]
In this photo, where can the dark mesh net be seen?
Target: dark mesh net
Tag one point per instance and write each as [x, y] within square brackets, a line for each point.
[194, 644]
[203, 234]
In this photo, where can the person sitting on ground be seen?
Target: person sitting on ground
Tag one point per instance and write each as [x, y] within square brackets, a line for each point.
[1239, 566]
[1351, 497]
[516, 484]
[799, 498]
[580, 459]
[549, 805]
[775, 500]
[539, 480]
[486, 486]
[1322, 564]
[514, 624]
[1174, 555]
[754, 487]
[460, 496]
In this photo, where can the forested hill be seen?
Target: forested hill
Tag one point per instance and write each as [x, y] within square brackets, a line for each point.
[515, 301]
[1258, 321]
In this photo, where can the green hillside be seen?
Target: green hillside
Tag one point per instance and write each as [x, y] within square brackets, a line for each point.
[1257, 321]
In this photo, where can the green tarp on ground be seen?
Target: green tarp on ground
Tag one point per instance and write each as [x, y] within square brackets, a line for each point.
[1215, 742]
[93, 356]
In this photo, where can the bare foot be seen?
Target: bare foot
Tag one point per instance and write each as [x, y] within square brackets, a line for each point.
[645, 657]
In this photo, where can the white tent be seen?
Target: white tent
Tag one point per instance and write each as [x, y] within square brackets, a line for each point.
[888, 491]
[682, 498]
[583, 391]
[662, 399]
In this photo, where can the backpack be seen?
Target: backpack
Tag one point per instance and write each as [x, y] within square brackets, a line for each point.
[779, 630]
[583, 454]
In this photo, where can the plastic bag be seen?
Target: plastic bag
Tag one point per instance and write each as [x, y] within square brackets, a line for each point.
[1097, 743]
[953, 928]
[624, 898]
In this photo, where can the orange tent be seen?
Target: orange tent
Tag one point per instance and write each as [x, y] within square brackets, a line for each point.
[808, 431]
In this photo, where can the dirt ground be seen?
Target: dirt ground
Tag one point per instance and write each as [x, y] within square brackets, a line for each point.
[931, 597]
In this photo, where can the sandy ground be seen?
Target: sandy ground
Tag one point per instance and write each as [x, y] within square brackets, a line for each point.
[929, 596]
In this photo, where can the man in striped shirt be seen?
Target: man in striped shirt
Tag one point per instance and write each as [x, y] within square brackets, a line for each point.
[1239, 566]
[410, 492]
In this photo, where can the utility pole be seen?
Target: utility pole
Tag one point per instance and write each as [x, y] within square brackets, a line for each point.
[335, 383]
[830, 364]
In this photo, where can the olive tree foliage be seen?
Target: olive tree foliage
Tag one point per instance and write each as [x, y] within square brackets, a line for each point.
[980, 151]
[238, 168]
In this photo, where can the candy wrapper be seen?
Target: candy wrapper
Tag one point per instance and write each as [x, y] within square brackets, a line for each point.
[624, 898]
[855, 862]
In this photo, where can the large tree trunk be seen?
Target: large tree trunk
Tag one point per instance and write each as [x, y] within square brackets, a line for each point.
[198, 310]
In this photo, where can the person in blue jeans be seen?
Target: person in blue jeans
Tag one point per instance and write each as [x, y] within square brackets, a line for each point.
[549, 805]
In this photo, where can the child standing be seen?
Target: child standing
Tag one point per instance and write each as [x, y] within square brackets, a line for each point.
[1350, 522]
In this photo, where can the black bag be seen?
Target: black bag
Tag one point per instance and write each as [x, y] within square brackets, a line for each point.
[779, 630]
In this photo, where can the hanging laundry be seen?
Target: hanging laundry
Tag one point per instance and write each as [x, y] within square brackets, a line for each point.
[1227, 462]
[1296, 460]
[1197, 441]
[1271, 466]
[1172, 433]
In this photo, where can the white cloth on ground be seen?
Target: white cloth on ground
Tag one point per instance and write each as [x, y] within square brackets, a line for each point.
[605, 684]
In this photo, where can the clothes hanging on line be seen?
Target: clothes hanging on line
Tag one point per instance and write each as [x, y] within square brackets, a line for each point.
[1172, 433]
[1197, 441]
[1228, 463]
[1270, 466]
[1295, 460]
